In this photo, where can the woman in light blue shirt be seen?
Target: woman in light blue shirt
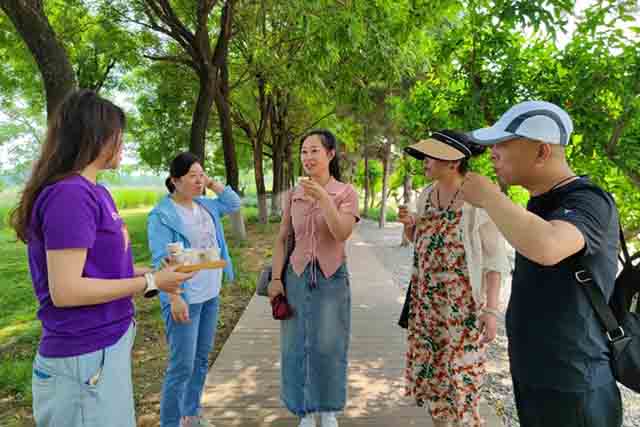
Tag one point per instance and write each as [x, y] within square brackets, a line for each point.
[190, 318]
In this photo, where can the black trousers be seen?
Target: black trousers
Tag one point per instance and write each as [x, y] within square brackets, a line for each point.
[537, 407]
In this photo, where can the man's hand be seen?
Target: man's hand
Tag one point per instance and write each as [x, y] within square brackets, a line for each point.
[478, 189]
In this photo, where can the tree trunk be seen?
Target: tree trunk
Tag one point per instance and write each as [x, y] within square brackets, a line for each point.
[201, 112]
[226, 128]
[263, 213]
[386, 166]
[279, 142]
[277, 188]
[222, 100]
[291, 173]
[407, 198]
[366, 182]
[407, 190]
[372, 199]
[53, 62]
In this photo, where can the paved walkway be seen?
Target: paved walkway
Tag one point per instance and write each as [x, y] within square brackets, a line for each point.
[243, 385]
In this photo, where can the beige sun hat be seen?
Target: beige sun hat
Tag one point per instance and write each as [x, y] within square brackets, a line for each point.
[441, 145]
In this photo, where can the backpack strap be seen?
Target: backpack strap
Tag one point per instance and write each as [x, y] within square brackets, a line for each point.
[625, 258]
[595, 296]
[594, 293]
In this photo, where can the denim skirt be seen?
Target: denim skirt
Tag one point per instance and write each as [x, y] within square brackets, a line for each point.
[314, 343]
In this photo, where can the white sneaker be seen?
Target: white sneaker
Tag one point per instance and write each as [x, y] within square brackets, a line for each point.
[309, 420]
[328, 419]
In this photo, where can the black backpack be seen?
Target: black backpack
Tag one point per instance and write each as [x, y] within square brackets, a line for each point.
[626, 294]
[621, 317]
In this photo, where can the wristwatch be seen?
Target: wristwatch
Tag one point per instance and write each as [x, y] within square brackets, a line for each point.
[151, 290]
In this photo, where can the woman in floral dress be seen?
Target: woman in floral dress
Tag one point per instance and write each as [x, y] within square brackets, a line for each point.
[459, 259]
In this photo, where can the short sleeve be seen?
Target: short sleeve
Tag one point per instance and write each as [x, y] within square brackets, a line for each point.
[69, 218]
[494, 248]
[591, 212]
[348, 204]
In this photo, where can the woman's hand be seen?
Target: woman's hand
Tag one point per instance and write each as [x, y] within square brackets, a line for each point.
[274, 289]
[169, 280]
[314, 190]
[406, 219]
[213, 185]
[179, 310]
[489, 327]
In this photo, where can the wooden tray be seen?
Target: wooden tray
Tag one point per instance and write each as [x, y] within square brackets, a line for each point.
[212, 265]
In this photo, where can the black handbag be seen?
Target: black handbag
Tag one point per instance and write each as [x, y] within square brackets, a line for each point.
[267, 272]
[623, 331]
[403, 322]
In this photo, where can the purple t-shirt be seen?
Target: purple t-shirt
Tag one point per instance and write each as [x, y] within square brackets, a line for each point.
[75, 213]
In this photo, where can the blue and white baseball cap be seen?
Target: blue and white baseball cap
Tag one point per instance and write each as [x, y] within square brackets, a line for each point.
[537, 120]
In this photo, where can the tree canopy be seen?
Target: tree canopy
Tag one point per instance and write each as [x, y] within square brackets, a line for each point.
[240, 81]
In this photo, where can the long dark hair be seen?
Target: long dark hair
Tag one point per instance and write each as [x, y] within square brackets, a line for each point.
[329, 142]
[180, 166]
[77, 133]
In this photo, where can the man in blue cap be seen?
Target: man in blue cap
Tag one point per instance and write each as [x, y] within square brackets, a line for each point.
[560, 361]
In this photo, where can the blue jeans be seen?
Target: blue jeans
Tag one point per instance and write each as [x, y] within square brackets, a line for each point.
[189, 347]
[93, 389]
[314, 343]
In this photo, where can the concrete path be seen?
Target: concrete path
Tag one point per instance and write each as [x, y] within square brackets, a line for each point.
[242, 387]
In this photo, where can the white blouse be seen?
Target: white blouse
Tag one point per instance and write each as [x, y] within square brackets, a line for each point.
[485, 248]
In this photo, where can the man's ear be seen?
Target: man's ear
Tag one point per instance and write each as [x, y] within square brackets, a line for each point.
[545, 152]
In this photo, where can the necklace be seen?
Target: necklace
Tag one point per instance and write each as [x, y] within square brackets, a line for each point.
[562, 181]
[453, 199]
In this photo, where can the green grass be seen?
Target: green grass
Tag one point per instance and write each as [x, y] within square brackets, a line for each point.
[135, 197]
[8, 199]
[19, 329]
[125, 198]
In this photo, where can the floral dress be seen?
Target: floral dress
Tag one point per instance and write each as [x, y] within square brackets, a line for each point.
[445, 361]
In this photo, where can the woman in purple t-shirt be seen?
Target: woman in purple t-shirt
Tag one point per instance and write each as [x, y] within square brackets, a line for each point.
[82, 270]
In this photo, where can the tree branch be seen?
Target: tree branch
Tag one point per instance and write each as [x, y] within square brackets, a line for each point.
[329, 114]
[175, 59]
[103, 79]
[161, 10]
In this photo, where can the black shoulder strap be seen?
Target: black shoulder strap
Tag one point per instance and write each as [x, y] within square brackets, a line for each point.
[594, 292]
[596, 298]
[623, 246]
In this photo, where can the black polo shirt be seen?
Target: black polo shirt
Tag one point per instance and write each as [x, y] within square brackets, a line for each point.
[555, 338]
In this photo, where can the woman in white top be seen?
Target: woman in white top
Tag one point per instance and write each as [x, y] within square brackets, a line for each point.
[194, 220]
[459, 259]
